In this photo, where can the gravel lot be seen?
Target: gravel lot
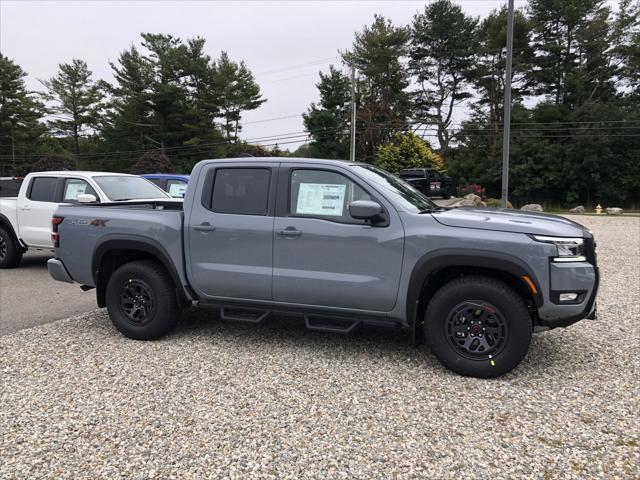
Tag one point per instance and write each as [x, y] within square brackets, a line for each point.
[220, 399]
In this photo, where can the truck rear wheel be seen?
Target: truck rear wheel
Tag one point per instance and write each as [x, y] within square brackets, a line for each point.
[10, 252]
[478, 326]
[141, 300]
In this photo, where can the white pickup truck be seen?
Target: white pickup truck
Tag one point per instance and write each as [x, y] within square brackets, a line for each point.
[25, 220]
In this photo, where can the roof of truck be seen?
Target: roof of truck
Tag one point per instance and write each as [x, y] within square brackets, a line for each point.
[80, 172]
[288, 160]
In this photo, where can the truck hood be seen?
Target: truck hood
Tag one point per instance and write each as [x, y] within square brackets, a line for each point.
[508, 220]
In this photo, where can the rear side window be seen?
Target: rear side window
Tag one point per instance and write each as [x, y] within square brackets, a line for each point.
[43, 189]
[243, 191]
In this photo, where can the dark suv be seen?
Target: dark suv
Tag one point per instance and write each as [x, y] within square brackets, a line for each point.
[429, 181]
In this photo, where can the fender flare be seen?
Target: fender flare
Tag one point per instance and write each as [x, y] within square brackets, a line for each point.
[5, 222]
[462, 257]
[136, 244]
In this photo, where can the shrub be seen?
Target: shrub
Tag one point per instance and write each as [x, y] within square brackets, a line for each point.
[472, 188]
[50, 163]
[495, 202]
[407, 150]
[153, 161]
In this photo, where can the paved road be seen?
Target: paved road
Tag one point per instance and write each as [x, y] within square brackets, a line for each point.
[29, 297]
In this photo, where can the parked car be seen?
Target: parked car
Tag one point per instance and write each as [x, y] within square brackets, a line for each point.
[25, 220]
[9, 186]
[429, 181]
[175, 184]
[343, 245]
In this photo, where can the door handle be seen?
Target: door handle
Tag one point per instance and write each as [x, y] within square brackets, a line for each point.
[25, 208]
[204, 227]
[289, 232]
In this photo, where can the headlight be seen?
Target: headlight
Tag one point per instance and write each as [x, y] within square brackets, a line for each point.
[569, 249]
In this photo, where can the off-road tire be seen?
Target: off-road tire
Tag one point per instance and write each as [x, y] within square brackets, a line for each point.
[442, 324]
[10, 251]
[153, 283]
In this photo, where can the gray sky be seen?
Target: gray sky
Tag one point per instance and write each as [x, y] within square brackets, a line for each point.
[284, 43]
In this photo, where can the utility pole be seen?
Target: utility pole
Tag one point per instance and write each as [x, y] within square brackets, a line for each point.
[352, 155]
[507, 109]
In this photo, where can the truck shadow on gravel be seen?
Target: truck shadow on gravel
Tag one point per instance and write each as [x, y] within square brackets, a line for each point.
[549, 351]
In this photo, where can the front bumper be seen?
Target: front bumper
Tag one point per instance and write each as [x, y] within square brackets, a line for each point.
[58, 271]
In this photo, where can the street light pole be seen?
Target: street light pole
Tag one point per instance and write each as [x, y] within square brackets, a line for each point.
[352, 154]
[507, 109]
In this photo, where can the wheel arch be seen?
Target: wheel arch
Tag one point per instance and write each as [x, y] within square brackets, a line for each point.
[436, 268]
[111, 254]
[6, 224]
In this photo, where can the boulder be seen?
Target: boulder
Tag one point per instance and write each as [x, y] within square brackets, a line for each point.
[470, 200]
[614, 211]
[532, 207]
[579, 210]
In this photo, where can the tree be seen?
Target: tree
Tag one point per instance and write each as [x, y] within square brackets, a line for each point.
[383, 103]
[51, 163]
[77, 101]
[153, 161]
[441, 60]
[20, 114]
[407, 150]
[237, 91]
[328, 121]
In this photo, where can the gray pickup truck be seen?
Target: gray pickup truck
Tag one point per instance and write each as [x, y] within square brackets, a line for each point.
[339, 244]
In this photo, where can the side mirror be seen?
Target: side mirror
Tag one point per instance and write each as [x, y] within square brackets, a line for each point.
[365, 210]
[87, 198]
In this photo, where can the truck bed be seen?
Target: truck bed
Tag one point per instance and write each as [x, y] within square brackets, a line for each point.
[86, 228]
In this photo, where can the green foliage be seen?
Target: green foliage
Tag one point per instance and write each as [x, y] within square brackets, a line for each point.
[496, 203]
[441, 60]
[383, 103]
[51, 163]
[328, 122]
[153, 161]
[77, 101]
[20, 115]
[407, 150]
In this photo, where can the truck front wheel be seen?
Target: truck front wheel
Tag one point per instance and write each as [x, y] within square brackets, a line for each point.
[478, 326]
[141, 300]
[10, 252]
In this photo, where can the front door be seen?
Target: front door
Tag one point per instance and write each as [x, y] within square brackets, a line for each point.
[323, 256]
[229, 231]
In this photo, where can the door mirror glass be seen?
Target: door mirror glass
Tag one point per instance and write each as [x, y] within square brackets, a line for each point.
[87, 198]
[365, 210]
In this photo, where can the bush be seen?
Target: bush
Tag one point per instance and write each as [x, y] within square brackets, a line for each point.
[51, 163]
[153, 161]
[495, 202]
[407, 150]
[472, 188]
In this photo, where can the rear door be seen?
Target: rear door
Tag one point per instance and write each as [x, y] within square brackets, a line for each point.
[229, 231]
[36, 209]
[323, 256]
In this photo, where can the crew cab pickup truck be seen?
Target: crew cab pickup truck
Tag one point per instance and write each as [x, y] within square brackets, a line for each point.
[429, 181]
[341, 245]
[25, 220]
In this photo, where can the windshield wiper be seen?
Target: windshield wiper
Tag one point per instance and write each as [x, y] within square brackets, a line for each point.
[431, 209]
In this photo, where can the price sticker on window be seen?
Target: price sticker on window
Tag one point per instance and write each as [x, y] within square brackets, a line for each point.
[321, 199]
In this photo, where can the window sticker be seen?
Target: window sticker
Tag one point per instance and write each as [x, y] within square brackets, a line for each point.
[74, 189]
[177, 189]
[320, 199]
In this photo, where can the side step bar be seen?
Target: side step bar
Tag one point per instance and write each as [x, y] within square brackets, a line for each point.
[244, 315]
[324, 323]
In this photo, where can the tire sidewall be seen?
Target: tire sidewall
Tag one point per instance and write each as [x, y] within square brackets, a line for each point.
[164, 315]
[510, 306]
[13, 255]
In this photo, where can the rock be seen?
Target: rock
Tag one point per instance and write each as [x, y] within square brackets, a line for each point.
[579, 209]
[614, 211]
[470, 200]
[532, 207]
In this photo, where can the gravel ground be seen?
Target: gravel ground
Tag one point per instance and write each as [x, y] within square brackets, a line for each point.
[220, 399]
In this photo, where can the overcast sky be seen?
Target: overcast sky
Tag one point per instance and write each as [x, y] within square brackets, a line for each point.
[284, 43]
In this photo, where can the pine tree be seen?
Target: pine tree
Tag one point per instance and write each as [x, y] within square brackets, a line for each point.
[77, 101]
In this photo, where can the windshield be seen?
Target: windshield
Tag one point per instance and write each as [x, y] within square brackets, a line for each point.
[120, 187]
[398, 191]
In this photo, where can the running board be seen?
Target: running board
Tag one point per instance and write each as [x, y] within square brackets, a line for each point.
[331, 324]
[243, 315]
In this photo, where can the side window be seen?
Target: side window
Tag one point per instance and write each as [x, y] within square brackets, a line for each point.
[74, 187]
[156, 181]
[323, 194]
[43, 189]
[243, 191]
[176, 188]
